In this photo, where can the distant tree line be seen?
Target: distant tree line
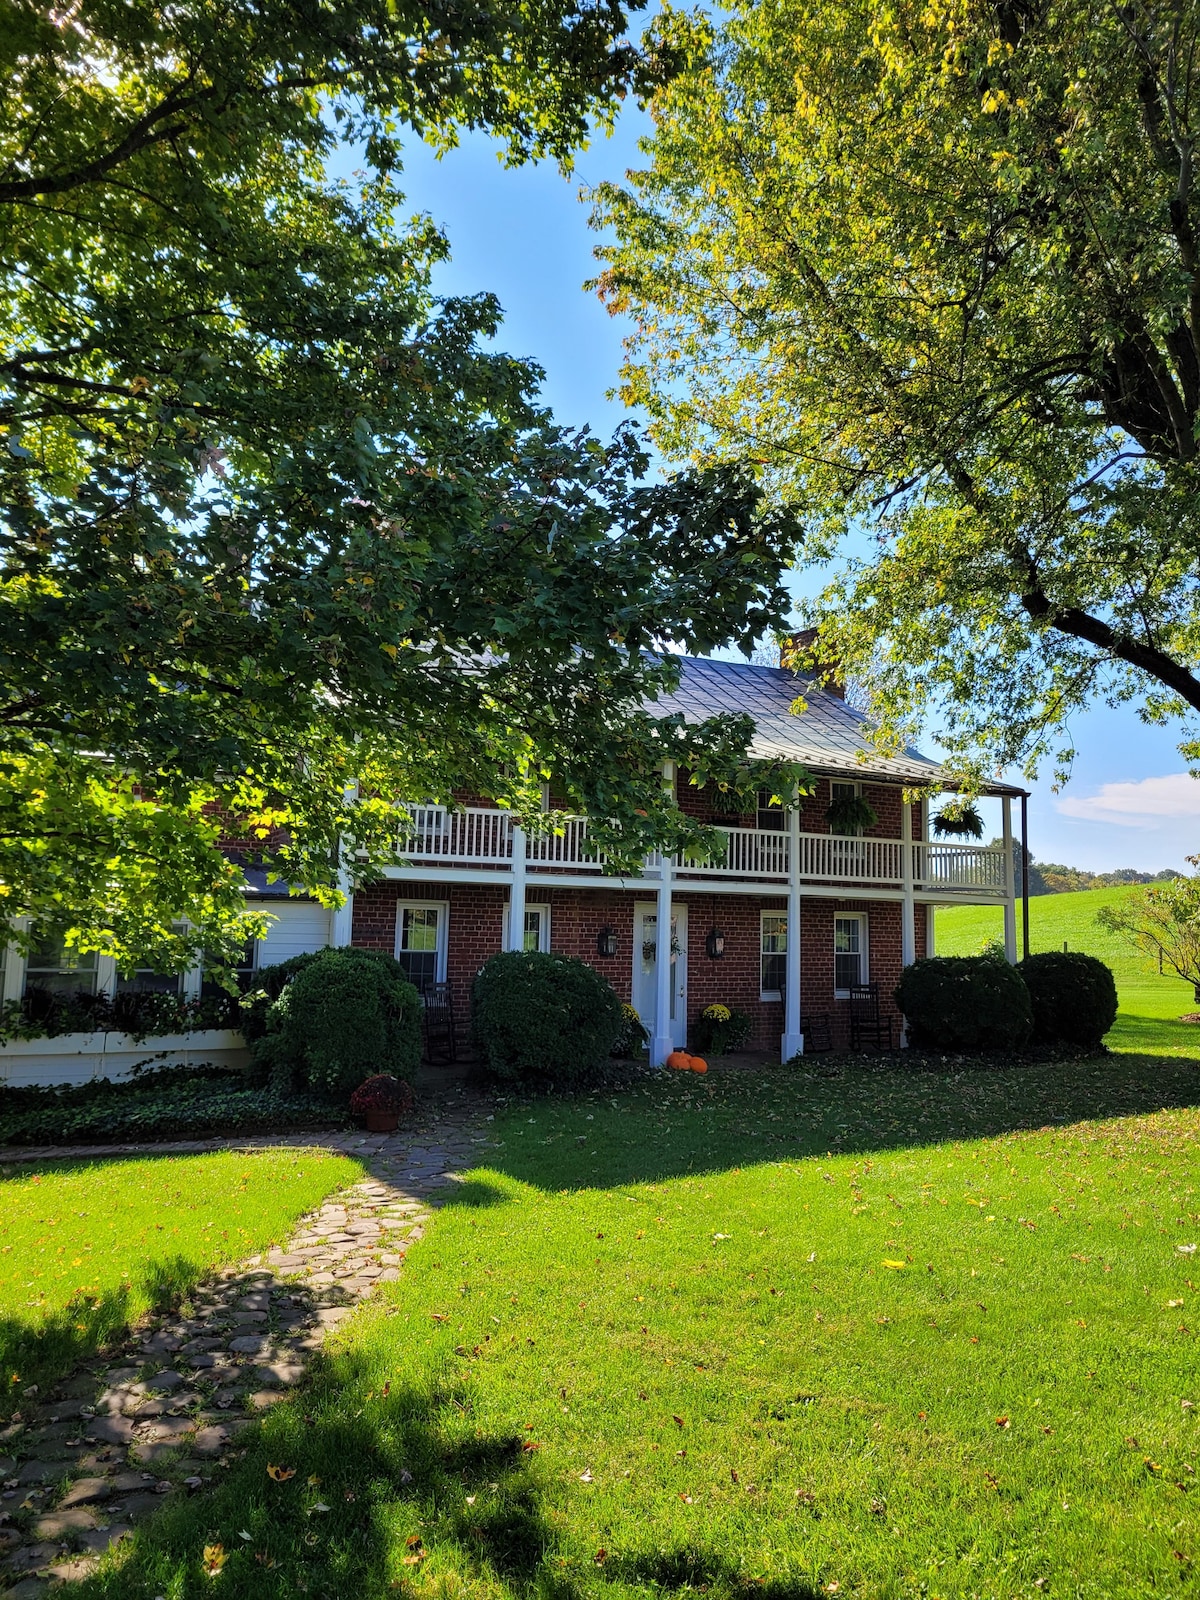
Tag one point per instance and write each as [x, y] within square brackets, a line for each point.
[1051, 877]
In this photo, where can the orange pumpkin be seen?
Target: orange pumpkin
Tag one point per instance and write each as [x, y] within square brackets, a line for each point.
[699, 1064]
[679, 1060]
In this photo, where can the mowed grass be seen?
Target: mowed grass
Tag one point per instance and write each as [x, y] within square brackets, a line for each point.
[1150, 1004]
[782, 1335]
[87, 1247]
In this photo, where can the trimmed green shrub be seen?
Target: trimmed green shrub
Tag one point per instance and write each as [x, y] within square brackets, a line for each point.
[1074, 997]
[544, 1017]
[342, 1016]
[965, 1003]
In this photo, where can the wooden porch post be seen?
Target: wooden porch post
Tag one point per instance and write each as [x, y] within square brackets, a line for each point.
[1010, 897]
[661, 1043]
[792, 1043]
[516, 893]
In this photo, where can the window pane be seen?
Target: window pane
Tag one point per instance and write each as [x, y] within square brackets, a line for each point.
[244, 969]
[533, 930]
[774, 951]
[847, 952]
[60, 971]
[419, 930]
[418, 953]
[770, 813]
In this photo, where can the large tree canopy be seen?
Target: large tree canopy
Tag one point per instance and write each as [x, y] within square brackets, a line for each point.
[935, 269]
[282, 542]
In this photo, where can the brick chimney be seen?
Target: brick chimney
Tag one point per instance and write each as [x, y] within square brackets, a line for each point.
[797, 653]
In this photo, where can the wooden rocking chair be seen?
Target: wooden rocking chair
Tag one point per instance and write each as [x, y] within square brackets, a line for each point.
[441, 1042]
[867, 1026]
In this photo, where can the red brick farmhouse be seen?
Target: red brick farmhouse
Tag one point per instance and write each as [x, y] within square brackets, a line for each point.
[788, 919]
[472, 883]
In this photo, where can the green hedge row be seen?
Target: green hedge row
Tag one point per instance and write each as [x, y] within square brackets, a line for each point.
[194, 1108]
[983, 1003]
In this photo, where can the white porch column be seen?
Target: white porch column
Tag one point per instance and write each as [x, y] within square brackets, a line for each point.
[661, 1043]
[908, 905]
[341, 921]
[930, 927]
[792, 1043]
[1010, 892]
[516, 893]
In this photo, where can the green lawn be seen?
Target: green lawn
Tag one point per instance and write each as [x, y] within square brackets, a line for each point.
[771, 1336]
[87, 1247]
[1150, 1004]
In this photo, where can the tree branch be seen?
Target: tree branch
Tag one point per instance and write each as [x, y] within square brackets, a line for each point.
[1094, 630]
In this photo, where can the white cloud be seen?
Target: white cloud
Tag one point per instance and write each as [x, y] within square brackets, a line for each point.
[1133, 805]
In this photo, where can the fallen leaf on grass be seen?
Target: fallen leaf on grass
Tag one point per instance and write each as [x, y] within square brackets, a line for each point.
[531, 1445]
[281, 1474]
[586, 1476]
[686, 1498]
[1003, 1422]
[214, 1560]
[895, 1266]
[678, 1421]
[600, 1557]
[242, 1534]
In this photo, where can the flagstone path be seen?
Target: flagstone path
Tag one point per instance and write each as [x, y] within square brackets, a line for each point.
[82, 1463]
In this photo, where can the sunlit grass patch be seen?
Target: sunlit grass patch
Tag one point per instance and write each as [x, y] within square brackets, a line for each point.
[675, 1341]
[87, 1247]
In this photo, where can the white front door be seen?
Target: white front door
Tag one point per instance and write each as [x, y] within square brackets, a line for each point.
[645, 929]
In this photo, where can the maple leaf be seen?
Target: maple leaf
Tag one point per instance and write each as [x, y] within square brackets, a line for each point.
[281, 1474]
[214, 1560]
[678, 1421]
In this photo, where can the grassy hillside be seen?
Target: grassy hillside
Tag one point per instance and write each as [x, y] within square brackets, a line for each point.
[1149, 1004]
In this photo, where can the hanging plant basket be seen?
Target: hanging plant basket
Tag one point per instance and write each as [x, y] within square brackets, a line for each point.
[958, 822]
[850, 812]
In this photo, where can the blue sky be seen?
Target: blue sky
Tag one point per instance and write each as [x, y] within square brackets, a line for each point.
[523, 235]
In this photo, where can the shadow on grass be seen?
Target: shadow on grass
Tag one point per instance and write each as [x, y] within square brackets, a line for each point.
[387, 1494]
[43, 1348]
[678, 1125]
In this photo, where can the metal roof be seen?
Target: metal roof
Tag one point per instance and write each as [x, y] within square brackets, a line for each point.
[828, 736]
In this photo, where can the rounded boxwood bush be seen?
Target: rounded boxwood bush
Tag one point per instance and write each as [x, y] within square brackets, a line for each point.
[548, 1018]
[343, 1016]
[1074, 997]
[965, 1003]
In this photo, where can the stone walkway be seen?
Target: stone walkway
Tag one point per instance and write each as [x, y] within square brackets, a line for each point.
[82, 1463]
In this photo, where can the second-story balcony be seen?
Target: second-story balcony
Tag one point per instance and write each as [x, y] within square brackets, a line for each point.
[481, 837]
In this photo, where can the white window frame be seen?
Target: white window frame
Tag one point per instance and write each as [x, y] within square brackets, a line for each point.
[441, 949]
[864, 949]
[105, 970]
[543, 911]
[770, 994]
[768, 810]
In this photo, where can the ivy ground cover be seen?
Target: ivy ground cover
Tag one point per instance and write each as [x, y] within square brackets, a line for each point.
[87, 1247]
[785, 1335]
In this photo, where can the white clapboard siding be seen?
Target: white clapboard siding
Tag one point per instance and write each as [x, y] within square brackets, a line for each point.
[300, 926]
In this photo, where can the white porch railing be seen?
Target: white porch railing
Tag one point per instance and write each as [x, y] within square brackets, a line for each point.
[959, 866]
[473, 836]
[477, 836]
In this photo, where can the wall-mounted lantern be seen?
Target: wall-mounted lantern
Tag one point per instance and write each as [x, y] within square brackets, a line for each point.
[715, 944]
[606, 942]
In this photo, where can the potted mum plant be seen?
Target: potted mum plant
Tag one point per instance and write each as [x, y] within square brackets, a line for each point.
[381, 1101]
